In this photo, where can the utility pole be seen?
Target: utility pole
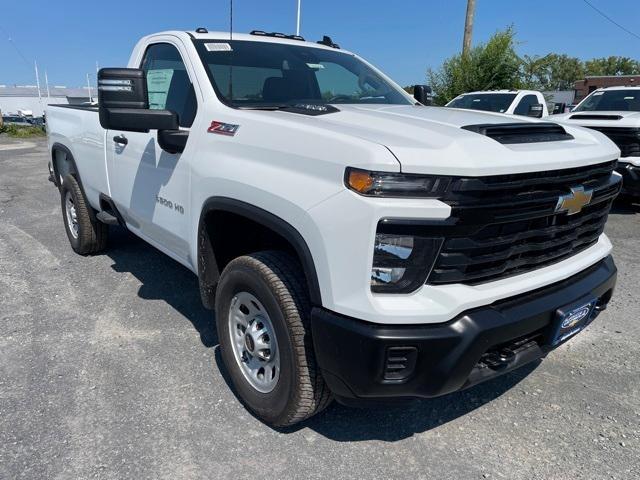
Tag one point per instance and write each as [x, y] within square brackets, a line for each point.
[468, 26]
[298, 20]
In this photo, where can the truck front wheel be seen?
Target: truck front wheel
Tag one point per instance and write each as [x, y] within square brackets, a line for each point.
[86, 234]
[262, 316]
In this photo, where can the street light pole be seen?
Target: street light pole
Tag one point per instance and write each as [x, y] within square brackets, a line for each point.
[89, 88]
[468, 26]
[38, 83]
[46, 81]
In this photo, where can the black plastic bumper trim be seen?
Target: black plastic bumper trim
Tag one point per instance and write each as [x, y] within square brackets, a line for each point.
[352, 354]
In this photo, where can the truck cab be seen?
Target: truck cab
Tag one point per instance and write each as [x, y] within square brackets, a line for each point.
[528, 103]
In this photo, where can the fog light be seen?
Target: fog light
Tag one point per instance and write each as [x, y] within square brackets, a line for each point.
[401, 263]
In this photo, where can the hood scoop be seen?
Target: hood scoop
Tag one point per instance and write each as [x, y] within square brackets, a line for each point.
[513, 133]
[595, 117]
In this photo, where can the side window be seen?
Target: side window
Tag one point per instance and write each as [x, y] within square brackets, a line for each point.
[525, 103]
[168, 82]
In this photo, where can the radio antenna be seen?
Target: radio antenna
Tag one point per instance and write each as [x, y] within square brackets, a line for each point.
[231, 55]
[230, 19]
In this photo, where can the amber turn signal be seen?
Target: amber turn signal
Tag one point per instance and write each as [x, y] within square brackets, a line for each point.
[360, 181]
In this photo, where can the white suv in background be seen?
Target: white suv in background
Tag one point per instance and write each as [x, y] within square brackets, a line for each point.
[528, 103]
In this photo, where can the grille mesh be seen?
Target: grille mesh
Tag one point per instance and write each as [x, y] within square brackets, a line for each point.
[627, 139]
[507, 225]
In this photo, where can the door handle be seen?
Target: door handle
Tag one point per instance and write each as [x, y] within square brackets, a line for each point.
[120, 139]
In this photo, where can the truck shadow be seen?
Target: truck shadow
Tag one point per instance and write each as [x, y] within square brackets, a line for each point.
[164, 279]
[627, 207]
[393, 422]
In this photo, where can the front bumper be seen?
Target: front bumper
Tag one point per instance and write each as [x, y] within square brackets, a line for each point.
[362, 360]
[630, 178]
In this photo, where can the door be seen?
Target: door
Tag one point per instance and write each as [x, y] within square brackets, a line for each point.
[148, 185]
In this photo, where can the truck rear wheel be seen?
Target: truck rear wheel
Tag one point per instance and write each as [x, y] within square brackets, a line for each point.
[262, 316]
[86, 234]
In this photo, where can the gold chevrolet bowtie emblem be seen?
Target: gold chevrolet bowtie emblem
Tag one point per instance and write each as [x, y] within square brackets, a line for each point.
[575, 201]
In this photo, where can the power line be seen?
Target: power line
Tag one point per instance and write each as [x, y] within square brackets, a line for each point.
[611, 19]
[10, 40]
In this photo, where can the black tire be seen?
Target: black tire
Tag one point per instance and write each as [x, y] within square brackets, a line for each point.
[91, 235]
[275, 279]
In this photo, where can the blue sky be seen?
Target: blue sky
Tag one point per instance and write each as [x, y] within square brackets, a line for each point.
[402, 37]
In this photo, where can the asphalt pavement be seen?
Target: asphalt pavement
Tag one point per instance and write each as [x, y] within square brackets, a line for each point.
[109, 369]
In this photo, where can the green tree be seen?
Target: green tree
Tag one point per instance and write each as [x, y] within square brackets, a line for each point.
[551, 72]
[488, 66]
[612, 66]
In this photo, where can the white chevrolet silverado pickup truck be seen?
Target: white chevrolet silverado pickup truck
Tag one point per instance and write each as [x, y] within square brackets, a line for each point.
[614, 111]
[354, 243]
[529, 103]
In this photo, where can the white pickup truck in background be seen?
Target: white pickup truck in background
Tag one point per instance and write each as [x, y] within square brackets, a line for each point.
[528, 103]
[614, 111]
[354, 243]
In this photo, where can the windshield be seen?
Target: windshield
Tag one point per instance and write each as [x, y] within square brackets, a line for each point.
[488, 102]
[261, 74]
[611, 100]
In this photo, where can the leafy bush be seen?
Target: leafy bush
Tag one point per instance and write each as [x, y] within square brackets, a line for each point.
[496, 65]
[488, 66]
[19, 131]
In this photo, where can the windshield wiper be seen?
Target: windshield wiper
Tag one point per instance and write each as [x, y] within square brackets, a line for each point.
[312, 109]
[265, 107]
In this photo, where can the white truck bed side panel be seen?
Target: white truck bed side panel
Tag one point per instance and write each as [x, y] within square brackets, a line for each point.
[79, 130]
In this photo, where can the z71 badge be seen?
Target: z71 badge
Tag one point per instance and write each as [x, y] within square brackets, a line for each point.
[220, 128]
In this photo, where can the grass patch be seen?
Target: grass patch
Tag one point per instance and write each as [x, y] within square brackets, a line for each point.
[19, 131]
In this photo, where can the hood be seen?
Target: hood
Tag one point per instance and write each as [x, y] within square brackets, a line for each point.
[608, 119]
[431, 140]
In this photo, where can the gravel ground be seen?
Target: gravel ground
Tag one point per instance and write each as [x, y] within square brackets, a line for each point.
[109, 369]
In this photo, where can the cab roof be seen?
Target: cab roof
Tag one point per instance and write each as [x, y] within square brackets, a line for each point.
[251, 37]
[487, 92]
[621, 87]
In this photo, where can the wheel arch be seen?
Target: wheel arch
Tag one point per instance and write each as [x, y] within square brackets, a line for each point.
[209, 261]
[64, 167]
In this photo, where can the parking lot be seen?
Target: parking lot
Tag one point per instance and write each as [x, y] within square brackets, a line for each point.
[109, 369]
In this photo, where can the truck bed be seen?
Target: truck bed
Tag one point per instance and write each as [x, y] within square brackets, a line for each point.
[76, 129]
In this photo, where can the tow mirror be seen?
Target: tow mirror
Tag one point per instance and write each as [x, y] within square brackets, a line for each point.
[422, 93]
[559, 108]
[123, 102]
[536, 111]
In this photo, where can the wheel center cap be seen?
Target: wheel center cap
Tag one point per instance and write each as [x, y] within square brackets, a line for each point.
[249, 343]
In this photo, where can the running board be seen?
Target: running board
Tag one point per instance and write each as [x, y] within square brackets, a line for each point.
[107, 218]
[109, 214]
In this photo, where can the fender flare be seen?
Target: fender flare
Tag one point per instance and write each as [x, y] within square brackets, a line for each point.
[208, 271]
[71, 159]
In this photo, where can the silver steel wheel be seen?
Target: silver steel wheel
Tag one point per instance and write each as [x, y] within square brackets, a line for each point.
[72, 217]
[254, 342]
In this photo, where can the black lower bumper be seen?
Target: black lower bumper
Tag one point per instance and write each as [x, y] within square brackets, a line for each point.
[630, 179]
[362, 360]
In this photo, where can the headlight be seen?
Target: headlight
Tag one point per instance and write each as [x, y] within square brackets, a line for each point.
[401, 263]
[383, 184]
